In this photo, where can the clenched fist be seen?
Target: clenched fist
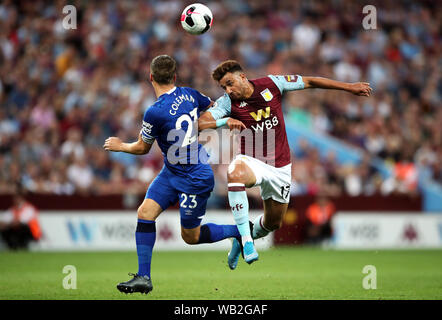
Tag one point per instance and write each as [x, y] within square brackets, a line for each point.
[113, 144]
[235, 124]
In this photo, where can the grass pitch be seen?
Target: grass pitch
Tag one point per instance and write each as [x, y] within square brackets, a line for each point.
[294, 273]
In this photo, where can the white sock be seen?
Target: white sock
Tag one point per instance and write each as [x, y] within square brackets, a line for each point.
[259, 230]
[240, 209]
[244, 239]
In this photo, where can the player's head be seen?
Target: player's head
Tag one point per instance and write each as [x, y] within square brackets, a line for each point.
[232, 79]
[163, 70]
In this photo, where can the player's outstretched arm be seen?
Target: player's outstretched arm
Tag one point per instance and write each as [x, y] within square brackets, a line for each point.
[357, 88]
[206, 121]
[138, 147]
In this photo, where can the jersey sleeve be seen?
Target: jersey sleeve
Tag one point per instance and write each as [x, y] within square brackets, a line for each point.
[288, 82]
[221, 108]
[150, 130]
[202, 100]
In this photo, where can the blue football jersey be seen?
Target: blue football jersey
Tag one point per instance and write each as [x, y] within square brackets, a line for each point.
[173, 122]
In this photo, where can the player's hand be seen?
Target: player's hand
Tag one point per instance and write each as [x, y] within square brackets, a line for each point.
[235, 124]
[360, 89]
[113, 144]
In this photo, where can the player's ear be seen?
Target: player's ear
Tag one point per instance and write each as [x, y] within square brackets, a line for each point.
[150, 77]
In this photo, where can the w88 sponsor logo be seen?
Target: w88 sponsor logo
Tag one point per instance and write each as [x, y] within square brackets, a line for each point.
[267, 124]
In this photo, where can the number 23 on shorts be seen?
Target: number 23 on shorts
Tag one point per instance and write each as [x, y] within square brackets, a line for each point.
[188, 201]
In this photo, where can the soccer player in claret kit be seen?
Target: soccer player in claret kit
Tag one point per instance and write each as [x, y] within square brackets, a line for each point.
[185, 178]
[257, 105]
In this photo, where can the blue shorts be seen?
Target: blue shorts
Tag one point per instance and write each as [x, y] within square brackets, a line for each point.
[192, 205]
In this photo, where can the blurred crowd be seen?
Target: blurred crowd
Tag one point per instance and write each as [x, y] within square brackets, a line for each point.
[63, 92]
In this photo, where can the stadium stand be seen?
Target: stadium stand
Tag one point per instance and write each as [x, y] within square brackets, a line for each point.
[62, 92]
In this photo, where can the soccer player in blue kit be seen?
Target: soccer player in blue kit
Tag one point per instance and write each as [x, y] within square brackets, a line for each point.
[186, 177]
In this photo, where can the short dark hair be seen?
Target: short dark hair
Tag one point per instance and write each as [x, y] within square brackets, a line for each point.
[225, 67]
[163, 69]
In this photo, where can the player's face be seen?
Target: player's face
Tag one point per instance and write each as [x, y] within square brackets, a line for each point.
[234, 84]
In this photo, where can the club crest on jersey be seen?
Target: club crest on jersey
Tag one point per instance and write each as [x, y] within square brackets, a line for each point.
[242, 104]
[267, 95]
[291, 78]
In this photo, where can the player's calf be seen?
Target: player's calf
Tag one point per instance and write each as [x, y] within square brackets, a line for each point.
[271, 220]
[260, 230]
[239, 205]
[209, 233]
[190, 236]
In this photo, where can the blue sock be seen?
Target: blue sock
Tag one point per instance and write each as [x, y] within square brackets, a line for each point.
[145, 240]
[211, 232]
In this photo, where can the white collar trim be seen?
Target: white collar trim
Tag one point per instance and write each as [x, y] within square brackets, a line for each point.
[171, 90]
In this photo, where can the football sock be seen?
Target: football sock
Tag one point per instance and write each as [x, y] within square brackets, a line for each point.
[240, 209]
[211, 232]
[145, 239]
[259, 230]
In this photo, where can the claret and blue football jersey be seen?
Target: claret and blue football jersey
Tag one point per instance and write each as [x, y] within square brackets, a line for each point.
[262, 114]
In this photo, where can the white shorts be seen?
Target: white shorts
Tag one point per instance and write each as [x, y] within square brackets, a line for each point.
[274, 182]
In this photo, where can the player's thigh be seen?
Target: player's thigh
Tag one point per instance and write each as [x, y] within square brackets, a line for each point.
[275, 182]
[274, 213]
[159, 196]
[239, 171]
[192, 210]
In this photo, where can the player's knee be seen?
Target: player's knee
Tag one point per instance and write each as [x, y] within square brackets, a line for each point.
[144, 213]
[236, 175]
